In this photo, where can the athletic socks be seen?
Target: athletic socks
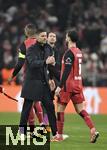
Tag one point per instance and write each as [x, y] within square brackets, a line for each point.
[39, 111]
[60, 122]
[45, 119]
[87, 119]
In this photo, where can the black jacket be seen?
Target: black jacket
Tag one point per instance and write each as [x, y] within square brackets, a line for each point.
[36, 73]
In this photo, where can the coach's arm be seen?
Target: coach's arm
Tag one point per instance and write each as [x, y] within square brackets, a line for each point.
[35, 61]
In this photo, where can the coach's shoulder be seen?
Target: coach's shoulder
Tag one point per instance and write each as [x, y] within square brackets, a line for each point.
[31, 48]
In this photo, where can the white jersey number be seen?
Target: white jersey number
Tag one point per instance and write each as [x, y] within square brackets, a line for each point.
[78, 77]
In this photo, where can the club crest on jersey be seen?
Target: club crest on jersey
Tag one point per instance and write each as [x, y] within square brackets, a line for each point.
[68, 60]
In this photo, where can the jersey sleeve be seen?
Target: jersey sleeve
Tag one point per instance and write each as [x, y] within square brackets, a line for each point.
[22, 51]
[21, 60]
[68, 61]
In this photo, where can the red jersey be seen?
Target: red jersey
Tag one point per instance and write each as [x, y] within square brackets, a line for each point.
[74, 80]
[25, 45]
[30, 41]
[22, 55]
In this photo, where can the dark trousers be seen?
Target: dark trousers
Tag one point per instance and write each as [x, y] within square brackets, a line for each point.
[27, 105]
[47, 102]
[49, 106]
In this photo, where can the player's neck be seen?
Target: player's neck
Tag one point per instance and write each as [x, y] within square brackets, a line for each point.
[70, 45]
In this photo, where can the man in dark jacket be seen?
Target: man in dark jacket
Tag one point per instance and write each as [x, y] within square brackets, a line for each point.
[30, 33]
[54, 69]
[36, 86]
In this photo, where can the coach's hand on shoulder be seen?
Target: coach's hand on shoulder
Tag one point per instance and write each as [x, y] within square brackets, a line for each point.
[57, 91]
[50, 60]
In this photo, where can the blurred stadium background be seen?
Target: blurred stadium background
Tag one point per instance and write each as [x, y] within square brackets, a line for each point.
[89, 17]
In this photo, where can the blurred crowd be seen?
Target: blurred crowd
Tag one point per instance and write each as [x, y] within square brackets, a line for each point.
[89, 17]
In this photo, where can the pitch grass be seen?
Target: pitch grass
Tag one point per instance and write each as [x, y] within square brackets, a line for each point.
[79, 135]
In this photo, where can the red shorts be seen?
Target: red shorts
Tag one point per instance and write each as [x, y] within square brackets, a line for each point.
[76, 98]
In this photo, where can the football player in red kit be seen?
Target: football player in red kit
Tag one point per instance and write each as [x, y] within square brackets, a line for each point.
[71, 88]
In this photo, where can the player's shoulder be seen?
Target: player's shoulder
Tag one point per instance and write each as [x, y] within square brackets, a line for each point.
[69, 56]
[68, 52]
[33, 46]
[76, 51]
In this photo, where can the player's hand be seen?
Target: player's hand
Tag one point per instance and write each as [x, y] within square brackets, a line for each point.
[52, 85]
[50, 60]
[57, 91]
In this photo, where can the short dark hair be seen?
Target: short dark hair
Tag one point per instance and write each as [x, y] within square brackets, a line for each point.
[73, 35]
[40, 30]
[50, 32]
